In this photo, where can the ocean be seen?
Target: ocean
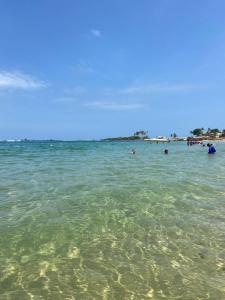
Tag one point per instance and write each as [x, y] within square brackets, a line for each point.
[89, 220]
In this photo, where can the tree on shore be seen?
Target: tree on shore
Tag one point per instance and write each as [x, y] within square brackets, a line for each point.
[198, 131]
[223, 133]
[213, 132]
[141, 134]
[173, 135]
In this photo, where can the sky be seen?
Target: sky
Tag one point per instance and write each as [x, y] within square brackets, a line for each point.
[82, 69]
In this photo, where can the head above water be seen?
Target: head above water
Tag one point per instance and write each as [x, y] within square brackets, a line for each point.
[133, 151]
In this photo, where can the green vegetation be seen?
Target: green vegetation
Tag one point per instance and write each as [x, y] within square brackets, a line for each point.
[213, 133]
[138, 135]
[141, 134]
[223, 133]
[198, 131]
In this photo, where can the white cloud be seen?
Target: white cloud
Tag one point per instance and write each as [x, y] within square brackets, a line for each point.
[113, 105]
[96, 33]
[18, 80]
[158, 88]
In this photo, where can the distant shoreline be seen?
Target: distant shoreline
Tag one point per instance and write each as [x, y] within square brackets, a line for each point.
[108, 140]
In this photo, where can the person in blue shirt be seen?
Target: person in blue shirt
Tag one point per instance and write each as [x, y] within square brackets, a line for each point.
[212, 149]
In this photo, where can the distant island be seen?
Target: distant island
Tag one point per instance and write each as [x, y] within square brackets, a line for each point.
[137, 136]
[196, 134]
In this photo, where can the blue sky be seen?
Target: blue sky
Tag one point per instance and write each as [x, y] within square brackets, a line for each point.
[93, 69]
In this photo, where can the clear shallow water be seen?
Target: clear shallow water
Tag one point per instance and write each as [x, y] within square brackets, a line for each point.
[87, 220]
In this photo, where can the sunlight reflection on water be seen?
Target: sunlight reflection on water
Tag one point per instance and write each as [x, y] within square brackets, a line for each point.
[86, 220]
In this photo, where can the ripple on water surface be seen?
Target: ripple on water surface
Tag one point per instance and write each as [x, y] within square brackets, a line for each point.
[86, 220]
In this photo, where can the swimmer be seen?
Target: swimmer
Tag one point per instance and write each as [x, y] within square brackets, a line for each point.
[133, 151]
[166, 151]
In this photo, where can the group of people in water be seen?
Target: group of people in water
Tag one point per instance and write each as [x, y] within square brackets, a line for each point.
[211, 148]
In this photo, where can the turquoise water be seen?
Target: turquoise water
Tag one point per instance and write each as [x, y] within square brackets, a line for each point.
[87, 220]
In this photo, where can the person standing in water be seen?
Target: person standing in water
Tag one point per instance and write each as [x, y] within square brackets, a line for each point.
[133, 151]
[211, 149]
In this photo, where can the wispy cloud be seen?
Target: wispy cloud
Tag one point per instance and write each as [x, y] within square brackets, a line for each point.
[84, 69]
[76, 91]
[65, 100]
[158, 88]
[96, 33]
[113, 105]
[18, 80]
